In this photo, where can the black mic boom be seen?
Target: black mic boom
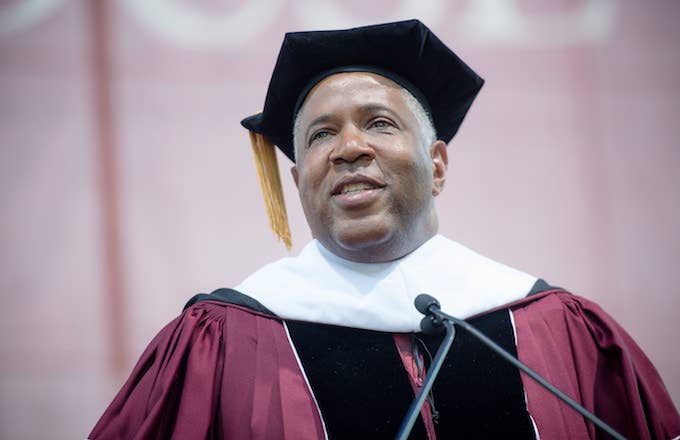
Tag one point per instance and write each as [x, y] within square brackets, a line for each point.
[435, 318]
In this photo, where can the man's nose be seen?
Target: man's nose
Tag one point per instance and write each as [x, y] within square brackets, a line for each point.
[352, 146]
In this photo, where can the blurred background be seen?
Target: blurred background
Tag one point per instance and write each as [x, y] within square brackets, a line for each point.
[127, 184]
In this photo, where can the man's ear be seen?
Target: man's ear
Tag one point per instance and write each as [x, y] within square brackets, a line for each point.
[294, 172]
[440, 162]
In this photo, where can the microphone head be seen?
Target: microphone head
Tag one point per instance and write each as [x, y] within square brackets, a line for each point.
[423, 302]
[431, 325]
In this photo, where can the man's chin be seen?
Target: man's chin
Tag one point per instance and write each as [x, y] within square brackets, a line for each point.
[360, 243]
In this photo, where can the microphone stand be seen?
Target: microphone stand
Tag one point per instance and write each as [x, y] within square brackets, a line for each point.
[434, 318]
[414, 409]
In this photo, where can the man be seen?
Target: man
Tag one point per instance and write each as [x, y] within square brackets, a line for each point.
[328, 343]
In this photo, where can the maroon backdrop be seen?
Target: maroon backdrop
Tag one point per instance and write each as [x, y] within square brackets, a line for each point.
[127, 184]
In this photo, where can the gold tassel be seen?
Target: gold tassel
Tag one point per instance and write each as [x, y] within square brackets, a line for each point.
[270, 181]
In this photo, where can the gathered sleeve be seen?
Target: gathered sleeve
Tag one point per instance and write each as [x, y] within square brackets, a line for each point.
[216, 371]
[578, 347]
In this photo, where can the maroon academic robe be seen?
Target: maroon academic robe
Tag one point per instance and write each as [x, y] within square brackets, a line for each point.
[224, 371]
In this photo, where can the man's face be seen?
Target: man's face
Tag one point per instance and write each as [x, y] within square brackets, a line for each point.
[366, 180]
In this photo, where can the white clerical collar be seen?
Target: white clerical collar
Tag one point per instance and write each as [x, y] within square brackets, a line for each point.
[319, 286]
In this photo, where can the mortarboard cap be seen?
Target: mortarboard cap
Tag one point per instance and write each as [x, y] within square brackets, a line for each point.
[406, 52]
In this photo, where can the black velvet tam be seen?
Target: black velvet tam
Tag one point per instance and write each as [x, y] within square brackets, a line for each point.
[406, 52]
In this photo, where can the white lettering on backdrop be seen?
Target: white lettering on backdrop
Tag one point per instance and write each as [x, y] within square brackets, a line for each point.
[479, 22]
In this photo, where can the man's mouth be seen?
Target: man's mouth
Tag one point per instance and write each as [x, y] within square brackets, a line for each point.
[352, 188]
[356, 191]
[355, 184]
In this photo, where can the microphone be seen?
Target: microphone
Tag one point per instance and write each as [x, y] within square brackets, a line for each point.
[424, 302]
[435, 319]
[430, 324]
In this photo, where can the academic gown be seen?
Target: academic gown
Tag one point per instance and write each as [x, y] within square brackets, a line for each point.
[229, 367]
[223, 370]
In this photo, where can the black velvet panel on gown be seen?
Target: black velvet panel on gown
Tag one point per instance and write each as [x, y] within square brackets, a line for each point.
[363, 390]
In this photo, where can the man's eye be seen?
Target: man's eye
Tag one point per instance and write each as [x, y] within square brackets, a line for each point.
[318, 135]
[380, 123]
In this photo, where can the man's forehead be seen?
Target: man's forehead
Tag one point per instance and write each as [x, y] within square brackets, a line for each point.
[345, 83]
[349, 79]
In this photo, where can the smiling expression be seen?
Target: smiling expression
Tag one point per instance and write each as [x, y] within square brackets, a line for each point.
[366, 178]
